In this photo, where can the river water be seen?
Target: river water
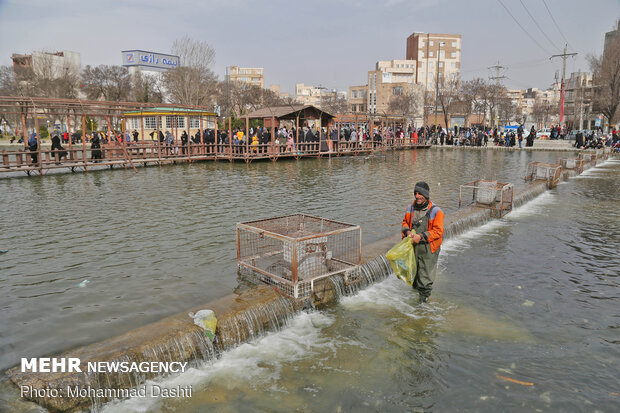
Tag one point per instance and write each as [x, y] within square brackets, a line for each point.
[533, 297]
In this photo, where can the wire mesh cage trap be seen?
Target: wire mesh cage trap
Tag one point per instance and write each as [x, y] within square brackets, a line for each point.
[496, 196]
[292, 252]
[572, 164]
[589, 157]
[540, 171]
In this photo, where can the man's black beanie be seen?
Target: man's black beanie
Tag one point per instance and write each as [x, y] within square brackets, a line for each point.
[423, 189]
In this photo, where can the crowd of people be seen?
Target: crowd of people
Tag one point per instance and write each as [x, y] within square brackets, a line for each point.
[321, 139]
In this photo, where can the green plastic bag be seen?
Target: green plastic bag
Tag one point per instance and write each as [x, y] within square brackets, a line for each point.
[402, 260]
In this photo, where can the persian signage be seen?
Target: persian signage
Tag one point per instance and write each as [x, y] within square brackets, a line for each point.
[149, 59]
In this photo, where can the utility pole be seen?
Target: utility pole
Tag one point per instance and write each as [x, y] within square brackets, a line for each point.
[437, 83]
[580, 102]
[497, 78]
[563, 56]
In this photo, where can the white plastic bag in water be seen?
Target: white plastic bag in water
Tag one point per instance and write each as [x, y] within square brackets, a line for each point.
[207, 320]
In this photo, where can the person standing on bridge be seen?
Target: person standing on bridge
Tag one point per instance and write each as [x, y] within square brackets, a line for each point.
[423, 223]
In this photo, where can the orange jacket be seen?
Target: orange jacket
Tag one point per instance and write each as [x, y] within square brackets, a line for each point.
[434, 233]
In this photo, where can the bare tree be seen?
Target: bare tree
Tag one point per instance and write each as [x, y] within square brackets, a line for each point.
[448, 97]
[606, 75]
[408, 104]
[542, 112]
[333, 103]
[146, 88]
[52, 80]
[111, 83]
[193, 82]
[506, 110]
[474, 95]
[8, 83]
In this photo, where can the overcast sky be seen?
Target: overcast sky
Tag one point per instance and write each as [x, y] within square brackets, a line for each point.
[329, 43]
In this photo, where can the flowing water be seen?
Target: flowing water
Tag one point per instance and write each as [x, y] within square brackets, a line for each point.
[532, 297]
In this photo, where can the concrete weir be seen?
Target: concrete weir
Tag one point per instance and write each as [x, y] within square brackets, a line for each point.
[241, 317]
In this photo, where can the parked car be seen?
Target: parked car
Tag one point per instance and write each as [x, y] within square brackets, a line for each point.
[543, 134]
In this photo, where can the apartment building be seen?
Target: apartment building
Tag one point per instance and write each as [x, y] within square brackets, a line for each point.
[578, 101]
[358, 99]
[390, 78]
[307, 95]
[251, 75]
[438, 57]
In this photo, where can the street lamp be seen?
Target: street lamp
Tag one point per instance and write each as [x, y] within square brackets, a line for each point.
[437, 82]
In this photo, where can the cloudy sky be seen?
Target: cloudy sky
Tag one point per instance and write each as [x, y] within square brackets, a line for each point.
[318, 42]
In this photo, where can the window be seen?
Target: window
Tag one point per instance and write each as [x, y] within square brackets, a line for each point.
[175, 121]
[194, 122]
[422, 44]
[421, 54]
[422, 65]
[431, 43]
[149, 122]
[431, 65]
[431, 75]
[442, 54]
[453, 44]
[430, 54]
[133, 123]
[398, 90]
[453, 64]
[440, 64]
[453, 55]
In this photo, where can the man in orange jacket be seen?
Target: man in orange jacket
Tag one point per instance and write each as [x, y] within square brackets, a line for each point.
[423, 223]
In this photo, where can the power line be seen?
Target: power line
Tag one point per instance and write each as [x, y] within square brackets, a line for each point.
[537, 25]
[525, 31]
[497, 77]
[556, 24]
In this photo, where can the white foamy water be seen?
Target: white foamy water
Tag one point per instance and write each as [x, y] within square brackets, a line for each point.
[251, 364]
[392, 294]
[533, 207]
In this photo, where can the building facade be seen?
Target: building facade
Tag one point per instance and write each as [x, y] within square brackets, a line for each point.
[390, 78]
[150, 121]
[358, 99]
[254, 76]
[612, 37]
[50, 65]
[438, 57]
[307, 95]
[578, 101]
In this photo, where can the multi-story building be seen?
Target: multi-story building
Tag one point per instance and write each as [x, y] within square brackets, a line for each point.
[358, 100]
[276, 89]
[50, 65]
[578, 101]
[308, 95]
[390, 78]
[612, 37]
[251, 75]
[438, 57]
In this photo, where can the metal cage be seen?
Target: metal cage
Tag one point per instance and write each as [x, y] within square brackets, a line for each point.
[292, 252]
[540, 171]
[572, 164]
[589, 157]
[496, 196]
